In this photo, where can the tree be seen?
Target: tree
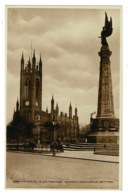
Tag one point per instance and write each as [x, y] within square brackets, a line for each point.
[50, 127]
[84, 131]
[19, 129]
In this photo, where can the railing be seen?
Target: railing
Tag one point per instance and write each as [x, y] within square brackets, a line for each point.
[14, 146]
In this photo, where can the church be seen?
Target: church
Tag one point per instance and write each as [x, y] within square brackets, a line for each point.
[30, 106]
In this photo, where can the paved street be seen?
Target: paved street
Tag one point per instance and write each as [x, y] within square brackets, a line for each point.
[38, 171]
[87, 155]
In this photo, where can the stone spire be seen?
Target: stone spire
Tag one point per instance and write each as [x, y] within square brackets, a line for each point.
[29, 63]
[57, 109]
[52, 104]
[40, 65]
[34, 60]
[76, 111]
[22, 62]
[70, 110]
[17, 105]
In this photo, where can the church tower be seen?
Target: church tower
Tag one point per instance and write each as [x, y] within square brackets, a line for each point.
[31, 89]
[30, 105]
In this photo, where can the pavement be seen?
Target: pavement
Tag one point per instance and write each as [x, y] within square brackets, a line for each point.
[81, 155]
[35, 170]
[85, 155]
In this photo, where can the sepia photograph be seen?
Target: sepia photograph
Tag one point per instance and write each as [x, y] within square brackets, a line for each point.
[63, 73]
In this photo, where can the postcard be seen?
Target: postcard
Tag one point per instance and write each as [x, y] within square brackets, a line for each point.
[63, 97]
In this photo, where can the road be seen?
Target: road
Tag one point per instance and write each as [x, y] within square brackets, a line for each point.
[37, 171]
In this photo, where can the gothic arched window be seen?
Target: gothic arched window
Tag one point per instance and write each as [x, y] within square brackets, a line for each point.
[37, 88]
[27, 88]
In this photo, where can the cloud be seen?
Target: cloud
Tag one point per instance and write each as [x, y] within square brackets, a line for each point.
[68, 42]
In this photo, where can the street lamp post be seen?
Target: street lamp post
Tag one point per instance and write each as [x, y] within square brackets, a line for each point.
[38, 130]
[54, 124]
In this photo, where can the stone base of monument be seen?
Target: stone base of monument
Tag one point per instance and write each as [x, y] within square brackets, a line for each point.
[103, 124]
[103, 137]
[104, 130]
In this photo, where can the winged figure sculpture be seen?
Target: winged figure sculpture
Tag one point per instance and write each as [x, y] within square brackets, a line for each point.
[107, 30]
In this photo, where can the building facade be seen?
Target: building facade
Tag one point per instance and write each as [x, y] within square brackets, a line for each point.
[30, 106]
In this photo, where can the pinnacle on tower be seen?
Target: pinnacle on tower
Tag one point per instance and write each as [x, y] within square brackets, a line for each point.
[76, 111]
[57, 108]
[22, 62]
[29, 63]
[34, 60]
[70, 111]
[40, 65]
[52, 100]
[29, 59]
[17, 105]
[40, 58]
[52, 103]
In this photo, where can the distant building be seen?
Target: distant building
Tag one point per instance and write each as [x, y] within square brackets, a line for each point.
[30, 105]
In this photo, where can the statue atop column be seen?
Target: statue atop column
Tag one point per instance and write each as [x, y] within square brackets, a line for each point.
[107, 30]
[105, 120]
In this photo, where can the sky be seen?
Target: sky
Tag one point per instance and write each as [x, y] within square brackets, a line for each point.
[67, 39]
